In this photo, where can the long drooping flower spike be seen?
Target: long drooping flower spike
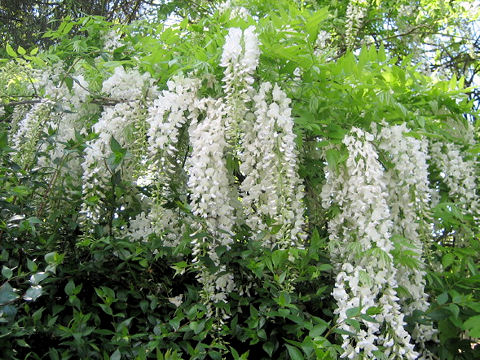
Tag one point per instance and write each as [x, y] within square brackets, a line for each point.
[458, 173]
[118, 123]
[360, 248]
[240, 59]
[271, 191]
[409, 199]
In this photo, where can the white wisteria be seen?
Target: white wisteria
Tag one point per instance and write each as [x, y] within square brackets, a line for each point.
[355, 16]
[271, 190]
[409, 200]
[360, 248]
[117, 124]
[458, 173]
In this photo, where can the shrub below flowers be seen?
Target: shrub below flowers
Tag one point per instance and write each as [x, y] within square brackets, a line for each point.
[187, 193]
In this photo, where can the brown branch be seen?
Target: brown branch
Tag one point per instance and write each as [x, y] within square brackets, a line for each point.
[409, 32]
[99, 101]
[22, 102]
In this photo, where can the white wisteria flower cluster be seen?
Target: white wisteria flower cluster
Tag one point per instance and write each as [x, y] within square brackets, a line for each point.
[271, 190]
[118, 122]
[235, 11]
[354, 18]
[168, 116]
[360, 247]
[60, 114]
[458, 174]
[409, 201]
[240, 59]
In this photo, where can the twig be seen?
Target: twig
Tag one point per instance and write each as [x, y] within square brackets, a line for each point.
[22, 102]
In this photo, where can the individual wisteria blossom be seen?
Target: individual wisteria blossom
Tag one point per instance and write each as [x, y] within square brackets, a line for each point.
[360, 249]
[354, 18]
[409, 199]
[458, 173]
[127, 89]
[271, 191]
[176, 300]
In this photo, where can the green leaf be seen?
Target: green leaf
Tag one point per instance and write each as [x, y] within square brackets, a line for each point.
[106, 308]
[344, 332]
[197, 326]
[35, 279]
[7, 272]
[447, 260]
[454, 309]
[22, 343]
[175, 323]
[31, 265]
[474, 306]
[234, 353]
[353, 312]
[353, 323]
[368, 318]
[268, 347]
[33, 293]
[144, 305]
[117, 355]
[54, 258]
[374, 310]
[115, 146]
[472, 325]
[21, 50]
[118, 154]
[324, 267]
[379, 355]
[34, 51]
[439, 314]
[442, 298]
[9, 312]
[318, 330]
[295, 353]
[284, 299]
[332, 156]
[312, 25]
[10, 51]
[54, 355]
[3, 140]
[7, 294]
[37, 315]
[69, 82]
[69, 288]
